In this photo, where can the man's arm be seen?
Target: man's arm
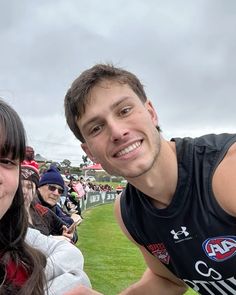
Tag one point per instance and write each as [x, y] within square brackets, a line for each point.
[157, 279]
[151, 284]
[224, 180]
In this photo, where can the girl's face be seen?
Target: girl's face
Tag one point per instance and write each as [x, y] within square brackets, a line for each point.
[29, 191]
[9, 181]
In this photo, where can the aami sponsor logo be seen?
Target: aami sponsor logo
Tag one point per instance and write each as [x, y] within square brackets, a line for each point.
[220, 248]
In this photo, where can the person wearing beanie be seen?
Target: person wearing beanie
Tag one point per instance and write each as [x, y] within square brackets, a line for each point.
[52, 176]
[39, 216]
[50, 188]
[63, 259]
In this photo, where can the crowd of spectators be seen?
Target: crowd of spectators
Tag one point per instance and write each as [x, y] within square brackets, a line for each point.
[53, 199]
[99, 187]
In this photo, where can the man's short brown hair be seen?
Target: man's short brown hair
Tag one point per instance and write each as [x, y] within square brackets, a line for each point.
[77, 96]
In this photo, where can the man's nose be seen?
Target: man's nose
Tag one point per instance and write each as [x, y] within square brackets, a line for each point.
[56, 192]
[117, 131]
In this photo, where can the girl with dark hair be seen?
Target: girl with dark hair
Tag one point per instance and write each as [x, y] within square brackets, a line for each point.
[21, 266]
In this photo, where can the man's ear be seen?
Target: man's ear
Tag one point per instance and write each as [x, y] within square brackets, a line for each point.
[152, 112]
[85, 148]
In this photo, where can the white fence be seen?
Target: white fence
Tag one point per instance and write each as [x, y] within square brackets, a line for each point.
[97, 198]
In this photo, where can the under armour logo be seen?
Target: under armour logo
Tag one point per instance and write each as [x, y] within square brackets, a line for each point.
[183, 231]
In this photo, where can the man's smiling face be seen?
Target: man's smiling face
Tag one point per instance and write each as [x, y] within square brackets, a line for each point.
[119, 130]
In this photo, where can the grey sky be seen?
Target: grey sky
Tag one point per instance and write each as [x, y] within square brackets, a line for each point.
[183, 52]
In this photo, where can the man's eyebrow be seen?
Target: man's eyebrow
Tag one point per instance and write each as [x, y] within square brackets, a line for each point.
[120, 101]
[97, 118]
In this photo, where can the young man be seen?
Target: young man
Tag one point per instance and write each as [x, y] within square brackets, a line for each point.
[178, 206]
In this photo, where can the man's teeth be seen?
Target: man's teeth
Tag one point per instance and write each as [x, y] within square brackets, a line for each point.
[129, 149]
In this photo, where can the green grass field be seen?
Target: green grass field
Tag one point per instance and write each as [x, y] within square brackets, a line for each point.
[112, 262]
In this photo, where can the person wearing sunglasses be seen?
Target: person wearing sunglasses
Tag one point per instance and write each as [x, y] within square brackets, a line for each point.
[50, 188]
[64, 262]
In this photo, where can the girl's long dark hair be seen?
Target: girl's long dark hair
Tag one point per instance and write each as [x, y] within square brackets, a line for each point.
[14, 224]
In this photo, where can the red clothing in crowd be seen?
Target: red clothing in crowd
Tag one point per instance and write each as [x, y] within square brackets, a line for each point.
[31, 163]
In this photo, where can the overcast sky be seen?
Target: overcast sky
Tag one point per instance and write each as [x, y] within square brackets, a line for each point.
[184, 52]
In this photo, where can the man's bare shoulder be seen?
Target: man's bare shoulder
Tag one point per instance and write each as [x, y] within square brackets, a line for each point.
[224, 182]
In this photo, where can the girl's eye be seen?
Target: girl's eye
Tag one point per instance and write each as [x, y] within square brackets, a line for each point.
[8, 162]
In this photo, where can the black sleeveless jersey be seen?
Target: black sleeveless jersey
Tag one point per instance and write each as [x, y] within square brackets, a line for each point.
[193, 237]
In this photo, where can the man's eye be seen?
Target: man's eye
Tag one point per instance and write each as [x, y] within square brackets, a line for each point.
[125, 111]
[96, 129]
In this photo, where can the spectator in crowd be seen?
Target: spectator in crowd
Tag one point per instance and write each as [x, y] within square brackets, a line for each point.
[76, 193]
[65, 202]
[29, 157]
[65, 262]
[42, 217]
[29, 180]
[43, 169]
[21, 266]
[71, 202]
[86, 187]
[179, 200]
[51, 186]
[66, 189]
[91, 187]
[66, 217]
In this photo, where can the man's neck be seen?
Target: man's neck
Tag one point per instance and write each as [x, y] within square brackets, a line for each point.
[160, 182]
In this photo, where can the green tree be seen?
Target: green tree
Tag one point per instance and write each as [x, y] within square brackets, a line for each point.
[65, 163]
[86, 161]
